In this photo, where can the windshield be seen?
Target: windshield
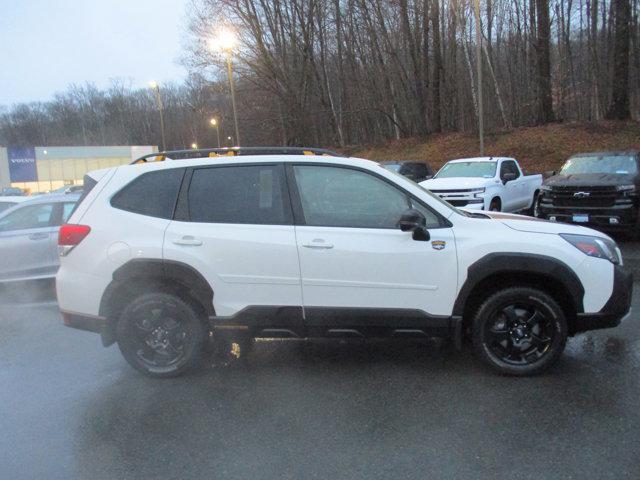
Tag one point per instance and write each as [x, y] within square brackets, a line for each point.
[620, 164]
[468, 169]
[6, 205]
[394, 167]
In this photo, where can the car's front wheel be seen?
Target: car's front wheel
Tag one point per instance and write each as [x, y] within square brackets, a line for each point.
[519, 331]
[160, 334]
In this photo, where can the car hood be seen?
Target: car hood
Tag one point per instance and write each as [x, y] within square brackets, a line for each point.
[590, 180]
[523, 223]
[456, 183]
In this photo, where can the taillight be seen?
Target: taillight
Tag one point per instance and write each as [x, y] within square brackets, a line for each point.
[70, 236]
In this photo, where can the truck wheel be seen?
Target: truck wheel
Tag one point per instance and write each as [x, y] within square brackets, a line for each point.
[519, 331]
[495, 206]
[534, 211]
[160, 335]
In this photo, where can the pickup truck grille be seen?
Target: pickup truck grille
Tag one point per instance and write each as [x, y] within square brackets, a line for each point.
[583, 196]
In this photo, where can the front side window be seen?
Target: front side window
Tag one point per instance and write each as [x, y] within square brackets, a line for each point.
[509, 166]
[343, 197]
[468, 170]
[153, 194]
[28, 217]
[248, 194]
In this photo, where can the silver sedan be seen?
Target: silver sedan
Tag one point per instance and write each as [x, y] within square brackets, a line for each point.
[29, 237]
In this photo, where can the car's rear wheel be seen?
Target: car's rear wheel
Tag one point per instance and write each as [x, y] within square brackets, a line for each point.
[519, 331]
[161, 335]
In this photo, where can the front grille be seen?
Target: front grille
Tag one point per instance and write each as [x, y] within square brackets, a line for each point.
[575, 196]
[446, 192]
[458, 203]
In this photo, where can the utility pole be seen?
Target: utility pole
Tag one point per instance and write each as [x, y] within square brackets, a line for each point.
[214, 124]
[156, 88]
[479, 74]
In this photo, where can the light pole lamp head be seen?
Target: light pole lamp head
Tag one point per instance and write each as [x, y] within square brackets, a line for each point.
[225, 40]
[153, 85]
[213, 122]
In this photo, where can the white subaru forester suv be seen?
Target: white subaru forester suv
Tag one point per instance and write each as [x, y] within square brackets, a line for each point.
[167, 258]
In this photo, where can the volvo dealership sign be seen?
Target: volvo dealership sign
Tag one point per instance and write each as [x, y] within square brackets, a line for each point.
[22, 164]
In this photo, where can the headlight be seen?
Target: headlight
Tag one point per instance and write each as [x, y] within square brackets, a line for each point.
[545, 188]
[478, 191]
[626, 189]
[594, 246]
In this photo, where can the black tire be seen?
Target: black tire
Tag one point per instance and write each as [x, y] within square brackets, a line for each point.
[533, 210]
[161, 335]
[495, 206]
[519, 331]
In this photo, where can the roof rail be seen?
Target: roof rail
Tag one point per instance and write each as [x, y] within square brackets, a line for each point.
[232, 152]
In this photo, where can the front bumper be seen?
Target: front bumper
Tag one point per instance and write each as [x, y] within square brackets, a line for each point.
[617, 307]
[615, 218]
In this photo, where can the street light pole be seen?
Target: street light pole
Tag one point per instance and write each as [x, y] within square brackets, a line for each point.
[233, 96]
[156, 88]
[479, 69]
[225, 41]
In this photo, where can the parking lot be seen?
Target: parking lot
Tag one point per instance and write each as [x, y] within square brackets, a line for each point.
[72, 409]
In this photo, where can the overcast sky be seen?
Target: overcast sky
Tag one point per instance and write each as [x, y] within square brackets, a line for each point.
[46, 45]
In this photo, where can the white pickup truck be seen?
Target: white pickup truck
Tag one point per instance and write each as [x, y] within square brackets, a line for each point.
[486, 183]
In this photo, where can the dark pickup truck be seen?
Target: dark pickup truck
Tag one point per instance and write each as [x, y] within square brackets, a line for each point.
[599, 190]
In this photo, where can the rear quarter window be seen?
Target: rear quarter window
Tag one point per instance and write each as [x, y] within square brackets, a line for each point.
[153, 194]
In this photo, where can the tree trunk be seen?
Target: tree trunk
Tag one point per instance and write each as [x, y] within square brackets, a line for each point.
[619, 107]
[545, 102]
[437, 69]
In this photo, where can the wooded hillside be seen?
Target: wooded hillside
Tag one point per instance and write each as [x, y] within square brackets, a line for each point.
[361, 72]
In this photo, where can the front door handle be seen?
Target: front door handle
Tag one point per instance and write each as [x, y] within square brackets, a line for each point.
[188, 240]
[318, 244]
[38, 236]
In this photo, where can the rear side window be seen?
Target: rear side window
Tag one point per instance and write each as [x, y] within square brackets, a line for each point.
[153, 194]
[251, 194]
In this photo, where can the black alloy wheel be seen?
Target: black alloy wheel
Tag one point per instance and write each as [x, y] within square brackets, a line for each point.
[160, 335]
[520, 331]
[519, 334]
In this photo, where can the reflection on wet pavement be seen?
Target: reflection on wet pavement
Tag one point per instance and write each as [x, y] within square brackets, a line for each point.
[353, 410]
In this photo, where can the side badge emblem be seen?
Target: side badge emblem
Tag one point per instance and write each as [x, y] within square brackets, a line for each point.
[438, 244]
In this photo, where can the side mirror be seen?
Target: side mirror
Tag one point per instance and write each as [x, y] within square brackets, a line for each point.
[413, 221]
[507, 177]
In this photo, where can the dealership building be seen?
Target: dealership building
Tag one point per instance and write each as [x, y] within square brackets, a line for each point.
[42, 169]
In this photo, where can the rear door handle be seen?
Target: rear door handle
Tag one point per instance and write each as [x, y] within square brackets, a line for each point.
[38, 236]
[188, 240]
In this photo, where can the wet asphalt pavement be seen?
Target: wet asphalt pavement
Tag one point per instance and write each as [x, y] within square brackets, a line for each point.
[71, 409]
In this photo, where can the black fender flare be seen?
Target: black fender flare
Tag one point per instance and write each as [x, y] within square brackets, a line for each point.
[178, 273]
[522, 263]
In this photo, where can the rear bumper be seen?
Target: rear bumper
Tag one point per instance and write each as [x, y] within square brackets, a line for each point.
[617, 307]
